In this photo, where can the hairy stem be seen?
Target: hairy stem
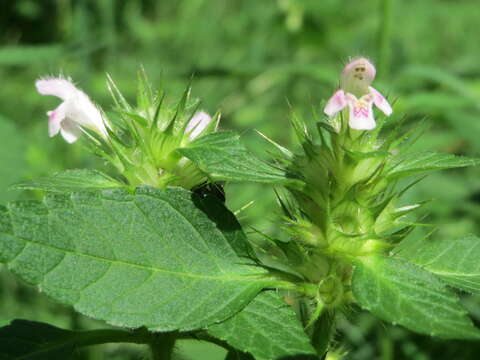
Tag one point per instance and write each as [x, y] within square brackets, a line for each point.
[162, 346]
[304, 288]
[104, 336]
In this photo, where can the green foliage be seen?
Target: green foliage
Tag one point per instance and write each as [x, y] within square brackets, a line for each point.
[249, 57]
[323, 332]
[403, 293]
[347, 219]
[164, 260]
[71, 181]
[416, 164]
[224, 158]
[30, 340]
[455, 261]
[142, 140]
[267, 328]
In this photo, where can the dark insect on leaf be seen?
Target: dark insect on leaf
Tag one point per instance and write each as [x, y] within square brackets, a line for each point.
[214, 189]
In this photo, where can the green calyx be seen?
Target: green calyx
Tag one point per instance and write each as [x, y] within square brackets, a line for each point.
[348, 206]
[144, 140]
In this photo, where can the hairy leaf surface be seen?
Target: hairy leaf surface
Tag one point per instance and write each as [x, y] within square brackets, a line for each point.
[224, 158]
[161, 259]
[71, 180]
[403, 293]
[454, 261]
[267, 328]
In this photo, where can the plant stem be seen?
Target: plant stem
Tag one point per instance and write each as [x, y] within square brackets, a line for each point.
[304, 288]
[162, 346]
[103, 336]
[386, 347]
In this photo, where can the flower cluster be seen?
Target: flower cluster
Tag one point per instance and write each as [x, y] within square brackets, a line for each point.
[142, 145]
[346, 207]
[340, 198]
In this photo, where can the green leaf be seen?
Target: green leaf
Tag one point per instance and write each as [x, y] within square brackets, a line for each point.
[24, 339]
[419, 163]
[145, 94]
[30, 340]
[323, 332]
[267, 328]
[454, 261]
[402, 293]
[359, 155]
[224, 158]
[165, 260]
[71, 180]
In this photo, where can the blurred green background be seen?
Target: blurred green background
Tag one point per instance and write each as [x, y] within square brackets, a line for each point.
[249, 58]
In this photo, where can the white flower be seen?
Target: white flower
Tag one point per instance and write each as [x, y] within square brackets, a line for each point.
[197, 124]
[358, 95]
[76, 110]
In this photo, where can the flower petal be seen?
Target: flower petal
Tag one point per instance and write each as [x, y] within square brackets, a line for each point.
[336, 103]
[361, 114]
[85, 113]
[380, 102]
[70, 131]
[197, 124]
[55, 118]
[357, 75]
[60, 87]
[77, 108]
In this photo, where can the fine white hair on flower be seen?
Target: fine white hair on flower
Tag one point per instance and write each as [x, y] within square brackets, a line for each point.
[197, 124]
[76, 110]
[356, 93]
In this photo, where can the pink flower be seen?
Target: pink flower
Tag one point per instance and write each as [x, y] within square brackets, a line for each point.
[197, 124]
[76, 110]
[358, 95]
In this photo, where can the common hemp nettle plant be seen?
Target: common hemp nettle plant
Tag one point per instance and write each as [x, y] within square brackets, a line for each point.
[152, 250]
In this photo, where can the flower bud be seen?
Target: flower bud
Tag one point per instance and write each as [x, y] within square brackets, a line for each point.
[197, 124]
